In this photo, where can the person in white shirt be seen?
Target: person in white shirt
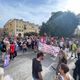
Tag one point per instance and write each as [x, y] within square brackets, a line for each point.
[64, 72]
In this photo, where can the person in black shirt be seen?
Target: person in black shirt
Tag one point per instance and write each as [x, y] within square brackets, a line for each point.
[3, 47]
[37, 67]
[3, 50]
[76, 72]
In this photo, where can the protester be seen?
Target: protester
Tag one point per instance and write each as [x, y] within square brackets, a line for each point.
[62, 59]
[37, 67]
[63, 73]
[8, 47]
[24, 47]
[3, 51]
[76, 72]
[74, 48]
[0, 47]
[70, 45]
[61, 44]
[12, 49]
[29, 42]
[16, 49]
[32, 43]
[35, 45]
[78, 52]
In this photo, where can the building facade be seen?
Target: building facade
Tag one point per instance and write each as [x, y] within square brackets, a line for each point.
[31, 27]
[17, 26]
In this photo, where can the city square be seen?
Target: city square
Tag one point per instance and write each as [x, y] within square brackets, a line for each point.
[39, 39]
[21, 67]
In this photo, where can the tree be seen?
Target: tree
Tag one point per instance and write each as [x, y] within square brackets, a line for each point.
[60, 24]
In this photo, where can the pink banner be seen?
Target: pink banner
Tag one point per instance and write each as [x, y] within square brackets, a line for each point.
[49, 49]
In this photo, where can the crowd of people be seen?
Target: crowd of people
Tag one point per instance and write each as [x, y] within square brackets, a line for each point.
[62, 71]
[9, 49]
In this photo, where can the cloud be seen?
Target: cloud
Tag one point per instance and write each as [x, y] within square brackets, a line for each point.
[73, 6]
[35, 11]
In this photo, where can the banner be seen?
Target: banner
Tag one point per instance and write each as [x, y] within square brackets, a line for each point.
[49, 49]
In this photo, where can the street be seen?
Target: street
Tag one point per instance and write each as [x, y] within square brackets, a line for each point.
[21, 67]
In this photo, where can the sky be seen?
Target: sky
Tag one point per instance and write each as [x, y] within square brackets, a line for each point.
[35, 11]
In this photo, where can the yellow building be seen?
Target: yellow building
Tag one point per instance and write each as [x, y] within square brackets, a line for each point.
[17, 26]
[14, 27]
[31, 27]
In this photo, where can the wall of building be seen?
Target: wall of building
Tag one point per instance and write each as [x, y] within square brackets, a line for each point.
[31, 28]
[16, 26]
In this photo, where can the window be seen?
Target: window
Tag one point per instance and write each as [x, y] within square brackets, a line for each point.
[17, 30]
[32, 27]
[19, 26]
[20, 30]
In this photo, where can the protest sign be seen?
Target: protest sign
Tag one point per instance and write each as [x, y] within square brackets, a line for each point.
[49, 49]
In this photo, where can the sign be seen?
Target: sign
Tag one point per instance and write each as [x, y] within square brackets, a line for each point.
[49, 49]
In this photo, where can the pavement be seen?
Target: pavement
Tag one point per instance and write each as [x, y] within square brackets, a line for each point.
[21, 67]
